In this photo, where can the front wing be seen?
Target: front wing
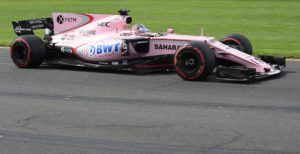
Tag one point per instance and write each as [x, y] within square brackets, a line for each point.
[242, 73]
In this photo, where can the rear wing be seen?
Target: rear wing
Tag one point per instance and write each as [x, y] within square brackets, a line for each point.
[26, 27]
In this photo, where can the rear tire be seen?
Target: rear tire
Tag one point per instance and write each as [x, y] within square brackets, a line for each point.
[27, 51]
[239, 42]
[194, 61]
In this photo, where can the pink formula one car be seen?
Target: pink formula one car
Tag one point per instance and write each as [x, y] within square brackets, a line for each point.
[105, 41]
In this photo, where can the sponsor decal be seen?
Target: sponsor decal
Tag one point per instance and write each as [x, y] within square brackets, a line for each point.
[37, 26]
[96, 50]
[126, 34]
[115, 63]
[19, 29]
[32, 22]
[73, 21]
[68, 37]
[125, 50]
[87, 32]
[60, 19]
[66, 50]
[166, 47]
[104, 24]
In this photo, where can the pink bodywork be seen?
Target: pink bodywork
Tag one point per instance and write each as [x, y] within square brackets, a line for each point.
[96, 38]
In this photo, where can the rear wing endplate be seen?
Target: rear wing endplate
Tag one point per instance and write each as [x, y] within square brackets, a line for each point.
[26, 27]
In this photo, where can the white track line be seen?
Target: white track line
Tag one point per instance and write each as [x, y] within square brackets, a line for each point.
[298, 60]
[4, 47]
[6, 64]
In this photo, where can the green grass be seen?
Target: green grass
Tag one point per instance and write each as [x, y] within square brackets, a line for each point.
[273, 26]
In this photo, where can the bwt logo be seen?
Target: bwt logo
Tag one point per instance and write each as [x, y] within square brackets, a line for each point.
[60, 19]
[104, 48]
[96, 50]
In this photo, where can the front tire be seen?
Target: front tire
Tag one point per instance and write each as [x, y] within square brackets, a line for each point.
[27, 51]
[239, 42]
[194, 61]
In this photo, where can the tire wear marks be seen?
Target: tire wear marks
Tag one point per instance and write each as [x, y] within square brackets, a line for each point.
[121, 146]
[25, 122]
[120, 126]
[151, 102]
[232, 140]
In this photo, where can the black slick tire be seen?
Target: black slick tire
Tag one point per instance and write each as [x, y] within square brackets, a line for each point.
[27, 51]
[239, 42]
[194, 61]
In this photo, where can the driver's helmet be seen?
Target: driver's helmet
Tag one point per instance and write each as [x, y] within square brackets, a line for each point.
[140, 28]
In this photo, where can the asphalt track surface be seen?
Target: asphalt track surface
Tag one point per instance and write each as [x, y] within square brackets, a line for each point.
[82, 111]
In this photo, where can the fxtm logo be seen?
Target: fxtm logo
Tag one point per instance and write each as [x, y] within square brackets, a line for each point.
[60, 19]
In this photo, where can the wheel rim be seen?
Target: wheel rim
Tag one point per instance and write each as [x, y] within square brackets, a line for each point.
[190, 62]
[19, 53]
